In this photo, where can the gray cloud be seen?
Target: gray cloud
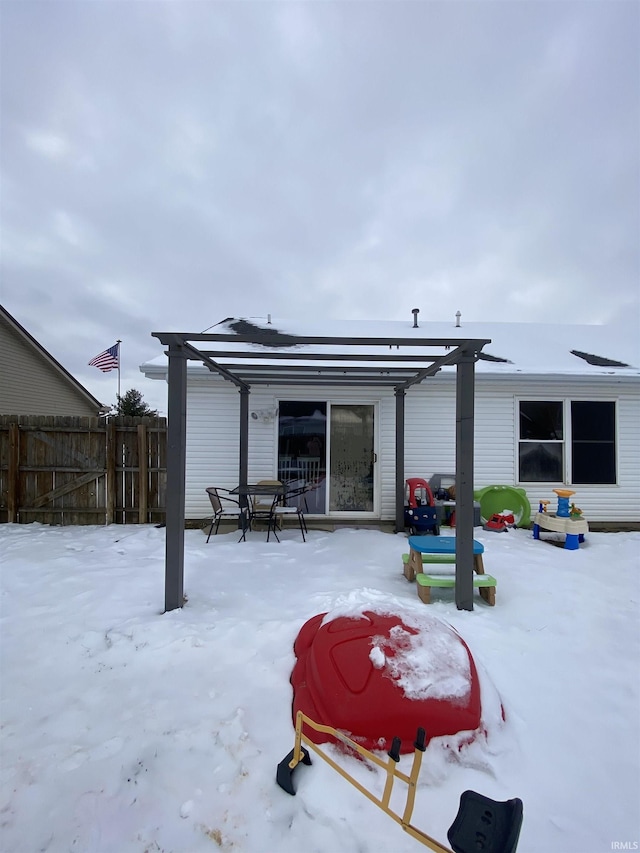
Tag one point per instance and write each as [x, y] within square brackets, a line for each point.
[165, 165]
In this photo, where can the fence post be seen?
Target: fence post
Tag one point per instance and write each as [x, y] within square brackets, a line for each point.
[13, 491]
[143, 473]
[110, 462]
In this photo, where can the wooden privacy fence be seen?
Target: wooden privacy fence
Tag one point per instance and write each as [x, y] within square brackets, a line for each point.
[74, 470]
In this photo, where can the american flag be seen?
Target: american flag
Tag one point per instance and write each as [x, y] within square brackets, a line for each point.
[107, 360]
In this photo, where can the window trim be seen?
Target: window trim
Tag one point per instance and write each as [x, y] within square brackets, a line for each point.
[536, 398]
[567, 439]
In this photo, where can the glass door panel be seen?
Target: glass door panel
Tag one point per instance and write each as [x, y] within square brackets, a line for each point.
[352, 458]
[302, 439]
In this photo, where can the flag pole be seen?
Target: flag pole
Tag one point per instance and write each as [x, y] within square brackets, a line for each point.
[118, 342]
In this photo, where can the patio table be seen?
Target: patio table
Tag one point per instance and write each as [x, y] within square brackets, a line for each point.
[249, 489]
[272, 490]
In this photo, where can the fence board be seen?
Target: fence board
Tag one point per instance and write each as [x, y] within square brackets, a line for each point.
[143, 474]
[70, 470]
[13, 472]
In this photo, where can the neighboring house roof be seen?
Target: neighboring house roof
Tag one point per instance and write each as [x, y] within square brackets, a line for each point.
[33, 382]
[515, 348]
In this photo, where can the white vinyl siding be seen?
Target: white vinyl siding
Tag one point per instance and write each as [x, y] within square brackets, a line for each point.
[213, 436]
[430, 437]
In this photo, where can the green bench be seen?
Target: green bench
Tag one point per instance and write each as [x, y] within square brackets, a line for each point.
[431, 558]
[485, 584]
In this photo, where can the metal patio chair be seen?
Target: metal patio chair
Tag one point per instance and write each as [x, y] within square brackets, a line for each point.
[280, 512]
[225, 507]
[262, 506]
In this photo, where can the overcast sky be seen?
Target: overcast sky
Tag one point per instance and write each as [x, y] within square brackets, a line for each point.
[169, 164]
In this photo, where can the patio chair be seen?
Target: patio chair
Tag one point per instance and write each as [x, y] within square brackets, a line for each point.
[262, 507]
[280, 512]
[225, 507]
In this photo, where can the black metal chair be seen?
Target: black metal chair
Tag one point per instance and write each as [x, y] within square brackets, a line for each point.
[280, 512]
[225, 507]
[262, 506]
[268, 509]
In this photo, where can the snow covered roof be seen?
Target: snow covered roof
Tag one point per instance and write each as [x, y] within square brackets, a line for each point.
[513, 348]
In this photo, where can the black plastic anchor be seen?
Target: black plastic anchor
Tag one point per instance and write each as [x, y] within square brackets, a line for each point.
[284, 773]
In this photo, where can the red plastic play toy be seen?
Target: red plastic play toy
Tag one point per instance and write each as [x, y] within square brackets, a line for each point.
[420, 514]
[336, 683]
[415, 485]
[500, 521]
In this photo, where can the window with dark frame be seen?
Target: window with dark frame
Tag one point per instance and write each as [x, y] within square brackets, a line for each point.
[593, 442]
[590, 433]
[541, 445]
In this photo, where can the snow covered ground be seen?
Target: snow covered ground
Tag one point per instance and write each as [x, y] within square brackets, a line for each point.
[125, 730]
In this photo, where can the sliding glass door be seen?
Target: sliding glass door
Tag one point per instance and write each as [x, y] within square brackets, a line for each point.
[316, 437]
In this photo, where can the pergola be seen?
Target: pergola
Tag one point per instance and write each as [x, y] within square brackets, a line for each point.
[268, 357]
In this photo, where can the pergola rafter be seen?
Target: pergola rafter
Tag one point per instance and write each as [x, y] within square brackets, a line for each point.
[268, 357]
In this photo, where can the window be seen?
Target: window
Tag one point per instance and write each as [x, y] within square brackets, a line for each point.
[541, 448]
[574, 436]
[593, 442]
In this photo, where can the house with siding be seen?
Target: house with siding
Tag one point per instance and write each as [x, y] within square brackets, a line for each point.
[32, 382]
[555, 406]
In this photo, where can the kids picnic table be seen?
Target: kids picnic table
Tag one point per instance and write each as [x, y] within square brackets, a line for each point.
[442, 549]
[427, 552]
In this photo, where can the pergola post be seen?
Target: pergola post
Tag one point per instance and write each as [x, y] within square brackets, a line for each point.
[244, 440]
[176, 464]
[465, 375]
[400, 400]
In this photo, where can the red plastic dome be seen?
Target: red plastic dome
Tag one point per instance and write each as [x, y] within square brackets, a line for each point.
[346, 676]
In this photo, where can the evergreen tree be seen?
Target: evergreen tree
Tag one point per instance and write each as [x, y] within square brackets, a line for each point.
[132, 404]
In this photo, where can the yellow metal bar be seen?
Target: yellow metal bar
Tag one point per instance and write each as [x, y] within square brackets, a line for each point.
[413, 784]
[388, 766]
[389, 783]
[348, 742]
[297, 749]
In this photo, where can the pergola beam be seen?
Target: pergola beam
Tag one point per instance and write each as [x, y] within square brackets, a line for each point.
[320, 356]
[284, 340]
[343, 381]
[445, 361]
[196, 355]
